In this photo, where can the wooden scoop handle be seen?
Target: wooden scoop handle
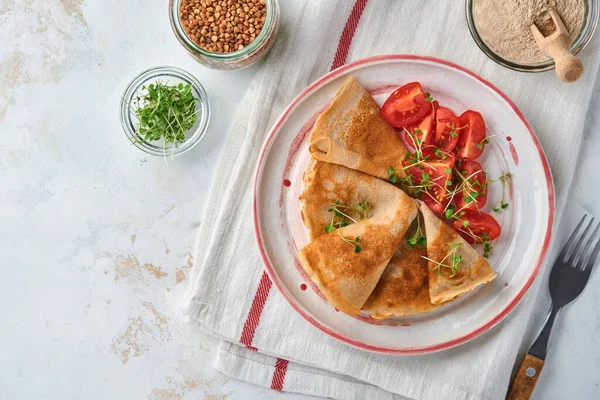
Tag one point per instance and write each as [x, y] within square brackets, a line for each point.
[558, 46]
[568, 67]
[526, 378]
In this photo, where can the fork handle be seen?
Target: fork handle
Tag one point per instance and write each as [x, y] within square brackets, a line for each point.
[526, 378]
[531, 366]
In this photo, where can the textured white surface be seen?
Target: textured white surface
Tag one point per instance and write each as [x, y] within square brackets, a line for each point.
[96, 237]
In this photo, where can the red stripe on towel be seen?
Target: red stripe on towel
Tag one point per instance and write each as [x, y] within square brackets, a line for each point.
[348, 33]
[264, 287]
[279, 374]
[258, 303]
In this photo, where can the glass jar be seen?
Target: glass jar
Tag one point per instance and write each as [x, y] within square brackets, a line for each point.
[170, 76]
[237, 59]
[587, 31]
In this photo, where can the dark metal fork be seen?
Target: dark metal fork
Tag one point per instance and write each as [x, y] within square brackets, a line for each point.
[568, 278]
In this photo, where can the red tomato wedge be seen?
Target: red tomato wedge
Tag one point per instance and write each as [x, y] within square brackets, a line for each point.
[423, 130]
[406, 106]
[430, 179]
[473, 195]
[446, 129]
[471, 135]
[476, 227]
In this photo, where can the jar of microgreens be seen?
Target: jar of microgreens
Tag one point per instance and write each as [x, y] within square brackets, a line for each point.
[165, 111]
[225, 34]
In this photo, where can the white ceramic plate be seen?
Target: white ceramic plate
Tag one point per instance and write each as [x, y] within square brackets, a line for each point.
[526, 224]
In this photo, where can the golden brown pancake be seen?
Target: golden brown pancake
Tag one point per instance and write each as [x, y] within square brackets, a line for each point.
[326, 183]
[472, 270]
[351, 132]
[404, 286]
[345, 277]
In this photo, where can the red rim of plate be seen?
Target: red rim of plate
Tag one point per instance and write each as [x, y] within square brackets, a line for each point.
[386, 350]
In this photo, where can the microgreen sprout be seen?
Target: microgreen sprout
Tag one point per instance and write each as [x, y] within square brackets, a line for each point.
[392, 175]
[454, 130]
[487, 244]
[469, 187]
[451, 261]
[484, 239]
[342, 215]
[418, 238]
[480, 144]
[505, 179]
[485, 140]
[429, 98]
[420, 161]
[352, 242]
[451, 214]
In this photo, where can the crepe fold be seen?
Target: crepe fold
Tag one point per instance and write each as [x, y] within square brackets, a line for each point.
[444, 243]
[344, 276]
[352, 133]
[404, 285]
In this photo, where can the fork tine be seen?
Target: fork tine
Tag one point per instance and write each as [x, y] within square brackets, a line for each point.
[578, 249]
[591, 261]
[566, 249]
[583, 248]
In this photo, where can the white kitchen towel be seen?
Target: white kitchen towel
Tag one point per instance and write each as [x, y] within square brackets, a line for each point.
[230, 296]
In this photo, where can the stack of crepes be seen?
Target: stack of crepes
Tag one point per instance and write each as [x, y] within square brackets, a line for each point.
[363, 261]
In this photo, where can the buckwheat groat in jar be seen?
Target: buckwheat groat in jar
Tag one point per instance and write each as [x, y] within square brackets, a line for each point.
[225, 34]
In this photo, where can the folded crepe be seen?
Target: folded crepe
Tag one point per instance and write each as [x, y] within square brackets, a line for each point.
[443, 243]
[345, 276]
[325, 184]
[351, 132]
[404, 286]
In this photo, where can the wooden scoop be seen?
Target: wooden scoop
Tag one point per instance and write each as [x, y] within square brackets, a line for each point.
[558, 46]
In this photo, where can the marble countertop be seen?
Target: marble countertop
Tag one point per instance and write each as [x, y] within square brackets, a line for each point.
[96, 237]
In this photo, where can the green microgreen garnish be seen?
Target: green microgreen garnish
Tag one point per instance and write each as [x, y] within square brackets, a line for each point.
[484, 141]
[505, 179]
[392, 175]
[450, 213]
[353, 242]
[484, 239]
[451, 261]
[468, 187]
[164, 112]
[487, 244]
[453, 131]
[420, 161]
[502, 206]
[428, 98]
[418, 238]
[343, 215]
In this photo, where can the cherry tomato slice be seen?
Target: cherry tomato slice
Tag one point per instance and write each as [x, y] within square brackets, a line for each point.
[446, 129]
[423, 130]
[406, 106]
[434, 175]
[474, 226]
[434, 205]
[473, 196]
[471, 135]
